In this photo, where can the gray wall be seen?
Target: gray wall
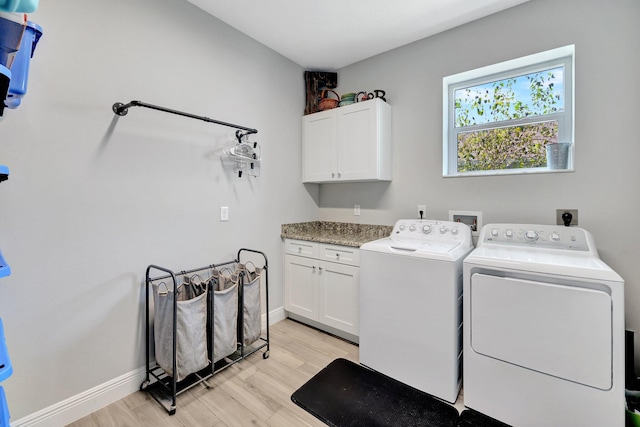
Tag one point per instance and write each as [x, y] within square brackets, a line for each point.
[605, 184]
[93, 199]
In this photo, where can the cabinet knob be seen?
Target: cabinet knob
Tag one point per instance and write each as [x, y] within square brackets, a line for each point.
[319, 269]
[339, 174]
[337, 256]
[333, 175]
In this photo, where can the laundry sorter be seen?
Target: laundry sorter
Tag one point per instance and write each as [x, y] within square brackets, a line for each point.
[203, 320]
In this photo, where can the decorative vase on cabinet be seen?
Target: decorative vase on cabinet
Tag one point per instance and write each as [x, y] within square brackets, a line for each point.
[348, 144]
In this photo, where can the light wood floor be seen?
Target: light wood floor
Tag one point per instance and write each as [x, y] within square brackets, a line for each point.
[254, 392]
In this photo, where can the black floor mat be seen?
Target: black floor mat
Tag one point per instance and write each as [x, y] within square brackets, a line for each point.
[471, 418]
[345, 394]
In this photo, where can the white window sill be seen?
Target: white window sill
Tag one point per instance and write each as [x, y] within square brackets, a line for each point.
[508, 172]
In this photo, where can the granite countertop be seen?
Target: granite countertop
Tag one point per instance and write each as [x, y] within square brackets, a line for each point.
[335, 233]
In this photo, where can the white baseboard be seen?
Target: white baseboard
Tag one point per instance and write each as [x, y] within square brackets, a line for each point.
[274, 316]
[85, 403]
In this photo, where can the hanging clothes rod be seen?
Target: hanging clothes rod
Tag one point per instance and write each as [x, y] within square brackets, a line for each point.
[122, 110]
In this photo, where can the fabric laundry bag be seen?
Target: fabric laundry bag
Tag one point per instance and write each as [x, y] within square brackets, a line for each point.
[252, 318]
[225, 316]
[191, 328]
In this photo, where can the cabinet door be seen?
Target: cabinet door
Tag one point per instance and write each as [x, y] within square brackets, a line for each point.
[364, 149]
[319, 147]
[339, 296]
[301, 286]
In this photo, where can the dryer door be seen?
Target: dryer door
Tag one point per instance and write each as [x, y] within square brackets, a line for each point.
[564, 331]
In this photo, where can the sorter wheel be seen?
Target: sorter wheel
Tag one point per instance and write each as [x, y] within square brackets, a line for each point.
[144, 385]
[265, 355]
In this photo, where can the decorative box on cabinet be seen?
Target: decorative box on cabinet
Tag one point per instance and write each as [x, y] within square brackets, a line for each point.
[346, 144]
[321, 285]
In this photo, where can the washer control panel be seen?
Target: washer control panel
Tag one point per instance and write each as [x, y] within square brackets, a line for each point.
[427, 229]
[549, 236]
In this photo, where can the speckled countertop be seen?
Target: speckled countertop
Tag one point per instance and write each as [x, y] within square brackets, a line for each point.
[335, 233]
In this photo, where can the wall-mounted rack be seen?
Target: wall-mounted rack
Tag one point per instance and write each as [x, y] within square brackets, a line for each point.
[246, 155]
[122, 110]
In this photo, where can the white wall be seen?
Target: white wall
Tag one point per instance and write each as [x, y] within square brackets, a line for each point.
[92, 198]
[604, 186]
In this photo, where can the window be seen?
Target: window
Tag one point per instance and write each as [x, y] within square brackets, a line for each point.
[499, 119]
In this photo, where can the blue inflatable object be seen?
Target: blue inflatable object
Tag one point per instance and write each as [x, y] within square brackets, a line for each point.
[5, 270]
[21, 6]
[4, 409]
[11, 33]
[20, 67]
[5, 364]
[5, 81]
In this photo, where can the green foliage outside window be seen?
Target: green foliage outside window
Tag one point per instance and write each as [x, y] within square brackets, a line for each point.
[492, 142]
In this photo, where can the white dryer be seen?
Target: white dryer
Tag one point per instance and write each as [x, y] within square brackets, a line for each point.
[411, 304]
[543, 329]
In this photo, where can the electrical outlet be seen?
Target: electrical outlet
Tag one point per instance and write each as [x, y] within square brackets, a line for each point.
[574, 216]
[224, 213]
[423, 209]
[356, 210]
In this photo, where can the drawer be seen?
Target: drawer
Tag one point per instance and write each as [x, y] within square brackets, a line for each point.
[340, 254]
[301, 247]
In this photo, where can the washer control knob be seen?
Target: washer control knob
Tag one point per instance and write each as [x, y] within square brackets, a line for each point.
[426, 229]
[531, 236]
[412, 227]
[494, 232]
[443, 229]
[555, 237]
[402, 227]
[454, 231]
[508, 234]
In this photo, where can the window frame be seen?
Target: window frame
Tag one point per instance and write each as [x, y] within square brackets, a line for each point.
[563, 56]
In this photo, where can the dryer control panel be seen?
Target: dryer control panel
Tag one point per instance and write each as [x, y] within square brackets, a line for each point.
[535, 235]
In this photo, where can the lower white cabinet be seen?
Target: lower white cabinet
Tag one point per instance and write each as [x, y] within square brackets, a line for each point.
[321, 284]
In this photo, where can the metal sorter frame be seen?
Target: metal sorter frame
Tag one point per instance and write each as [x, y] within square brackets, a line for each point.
[164, 388]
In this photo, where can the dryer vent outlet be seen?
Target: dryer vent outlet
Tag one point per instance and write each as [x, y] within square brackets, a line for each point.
[567, 217]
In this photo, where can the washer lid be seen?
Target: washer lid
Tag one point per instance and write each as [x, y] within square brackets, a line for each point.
[425, 238]
[417, 248]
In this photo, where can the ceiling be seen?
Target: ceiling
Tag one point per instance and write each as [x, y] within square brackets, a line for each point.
[325, 35]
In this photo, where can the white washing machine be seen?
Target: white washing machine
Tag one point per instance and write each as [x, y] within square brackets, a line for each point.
[411, 304]
[543, 329]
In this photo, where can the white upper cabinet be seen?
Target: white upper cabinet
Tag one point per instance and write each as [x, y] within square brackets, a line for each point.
[347, 144]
